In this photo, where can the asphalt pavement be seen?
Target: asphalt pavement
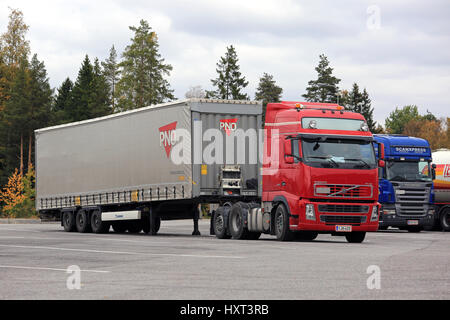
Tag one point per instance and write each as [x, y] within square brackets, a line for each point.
[41, 261]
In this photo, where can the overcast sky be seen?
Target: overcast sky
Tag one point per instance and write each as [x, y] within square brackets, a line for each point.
[399, 50]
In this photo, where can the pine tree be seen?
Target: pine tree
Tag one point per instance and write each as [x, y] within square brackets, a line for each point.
[15, 115]
[100, 104]
[40, 102]
[230, 82]
[325, 88]
[367, 111]
[63, 102]
[142, 81]
[90, 93]
[111, 73]
[354, 102]
[267, 91]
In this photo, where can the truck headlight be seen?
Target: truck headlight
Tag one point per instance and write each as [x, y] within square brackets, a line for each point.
[374, 216]
[431, 212]
[310, 213]
[388, 212]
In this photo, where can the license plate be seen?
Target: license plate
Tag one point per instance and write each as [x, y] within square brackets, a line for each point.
[413, 222]
[343, 228]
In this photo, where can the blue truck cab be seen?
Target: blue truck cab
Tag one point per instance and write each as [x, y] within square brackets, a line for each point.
[406, 183]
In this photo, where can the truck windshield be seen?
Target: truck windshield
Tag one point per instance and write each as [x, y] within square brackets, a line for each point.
[339, 153]
[408, 171]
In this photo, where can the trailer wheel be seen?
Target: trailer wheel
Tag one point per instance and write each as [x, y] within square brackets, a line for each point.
[355, 237]
[134, 226]
[445, 219]
[82, 221]
[97, 225]
[69, 222]
[119, 226]
[236, 223]
[305, 235]
[146, 225]
[219, 225]
[282, 224]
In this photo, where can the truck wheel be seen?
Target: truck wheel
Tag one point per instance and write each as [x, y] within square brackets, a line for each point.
[355, 237]
[219, 226]
[282, 224]
[82, 221]
[134, 226]
[146, 225]
[236, 223]
[305, 235]
[119, 226]
[69, 222]
[445, 220]
[97, 225]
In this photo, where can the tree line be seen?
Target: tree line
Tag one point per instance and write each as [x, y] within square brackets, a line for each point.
[138, 79]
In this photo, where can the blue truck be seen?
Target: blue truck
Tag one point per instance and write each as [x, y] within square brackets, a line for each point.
[406, 183]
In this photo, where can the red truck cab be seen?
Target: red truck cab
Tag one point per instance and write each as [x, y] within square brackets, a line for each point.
[320, 173]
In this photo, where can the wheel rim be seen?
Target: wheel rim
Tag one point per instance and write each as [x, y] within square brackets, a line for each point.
[81, 219]
[279, 222]
[236, 222]
[447, 219]
[96, 220]
[219, 223]
[66, 219]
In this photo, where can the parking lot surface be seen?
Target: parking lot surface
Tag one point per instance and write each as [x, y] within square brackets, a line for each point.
[393, 264]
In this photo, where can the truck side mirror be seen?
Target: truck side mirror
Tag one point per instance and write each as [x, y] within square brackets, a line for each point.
[433, 171]
[381, 151]
[288, 158]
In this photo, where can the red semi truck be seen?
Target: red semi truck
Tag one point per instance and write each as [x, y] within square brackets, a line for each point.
[314, 172]
[320, 175]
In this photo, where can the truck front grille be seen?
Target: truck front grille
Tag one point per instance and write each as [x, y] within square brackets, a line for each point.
[341, 208]
[329, 219]
[412, 201]
[343, 190]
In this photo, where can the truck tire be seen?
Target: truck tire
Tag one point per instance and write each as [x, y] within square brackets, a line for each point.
[219, 226]
[82, 221]
[68, 220]
[236, 223]
[119, 226]
[135, 226]
[97, 225]
[355, 237]
[146, 225]
[305, 235]
[282, 224]
[445, 219]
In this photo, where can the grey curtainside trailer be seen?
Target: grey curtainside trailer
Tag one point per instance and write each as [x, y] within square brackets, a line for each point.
[132, 169]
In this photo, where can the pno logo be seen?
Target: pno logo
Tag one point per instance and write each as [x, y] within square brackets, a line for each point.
[228, 125]
[167, 137]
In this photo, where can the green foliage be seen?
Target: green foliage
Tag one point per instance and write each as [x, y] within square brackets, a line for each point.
[359, 102]
[111, 73]
[90, 97]
[63, 102]
[267, 92]
[325, 87]
[142, 81]
[397, 119]
[230, 82]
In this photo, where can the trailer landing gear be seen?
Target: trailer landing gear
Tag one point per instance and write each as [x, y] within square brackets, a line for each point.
[196, 213]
